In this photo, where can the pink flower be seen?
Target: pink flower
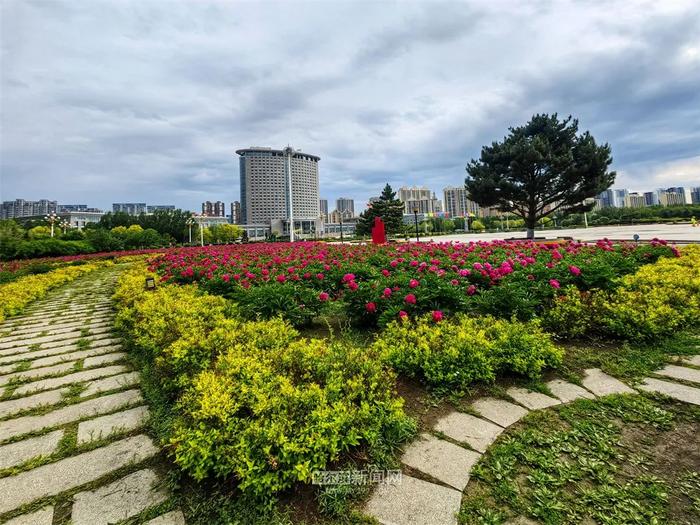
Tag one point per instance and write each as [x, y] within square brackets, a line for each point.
[471, 290]
[413, 283]
[226, 277]
[437, 316]
[386, 273]
[319, 276]
[410, 298]
[353, 285]
[575, 270]
[348, 277]
[403, 315]
[530, 277]
[323, 296]
[554, 283]
[387, 292]
[394, 263]
[371, 307]
[281, 278]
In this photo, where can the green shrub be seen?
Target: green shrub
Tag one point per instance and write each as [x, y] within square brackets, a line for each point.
[456, 352]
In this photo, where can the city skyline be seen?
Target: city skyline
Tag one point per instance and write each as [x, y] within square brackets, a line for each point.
[155, 106]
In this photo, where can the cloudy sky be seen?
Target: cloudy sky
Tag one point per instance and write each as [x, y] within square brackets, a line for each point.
[147, 101]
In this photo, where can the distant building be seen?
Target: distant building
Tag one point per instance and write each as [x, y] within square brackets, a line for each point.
[62, 208]
[612, 198]
[456, 202]
[265, 174]
[695, 195]
[81, 218]
[345, 204]
[685, 192]
[22, 208]
[160, 207]
[635, 200]
[669, 198]
[323, 207]
[132, 208]
[236, 212]
[421, 199]
[214, 209]
[336, 215]
[651, 198]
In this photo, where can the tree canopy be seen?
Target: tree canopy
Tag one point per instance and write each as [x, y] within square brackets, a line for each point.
[540, 168]
[388, 208]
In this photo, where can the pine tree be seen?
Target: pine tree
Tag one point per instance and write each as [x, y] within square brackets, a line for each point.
[388, 208]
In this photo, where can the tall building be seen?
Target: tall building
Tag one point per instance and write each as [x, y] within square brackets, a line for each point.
[345, 204]
[612, 198]
[635, 200]
[456, 202]
[323, 207]
[159, 207]
[695, 195]
[132, 208]
[21, 208]
[421, 199]
[685, 192]
[214, 209]
[671, 198]
[63, 208]
[651, 198]
[265, 190]
[236, 212]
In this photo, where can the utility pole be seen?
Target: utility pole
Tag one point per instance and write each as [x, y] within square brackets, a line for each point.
[288, 154]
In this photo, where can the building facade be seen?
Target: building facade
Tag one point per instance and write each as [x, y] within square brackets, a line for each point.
[265, 191]
[345, 205]
[457, 204]
[635, 200]
[132, 208]
[421, 199]
[159, 207]
[21, 208]
[236, 213]
[214, 209]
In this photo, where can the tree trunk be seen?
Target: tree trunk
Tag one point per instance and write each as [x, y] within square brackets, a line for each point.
[530, 233]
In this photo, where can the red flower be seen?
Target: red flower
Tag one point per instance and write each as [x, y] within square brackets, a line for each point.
[323, 296]
[575, 270]
[281, 278]
[437, 316]
[554, 283]
[471, 290]
[387, 292]
[410, 298]
[403, 315]
[226, 277]
[413, 283]
[371, 307]
[353, 285]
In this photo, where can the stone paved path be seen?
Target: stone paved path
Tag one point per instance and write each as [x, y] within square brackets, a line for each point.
[443, 460]
[72, 441]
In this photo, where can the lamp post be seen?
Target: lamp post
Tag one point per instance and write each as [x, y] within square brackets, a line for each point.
[288, 154]
[341, 228]
[52, 218]
[415, 218]
[189, 223]
[64, 226]
[200, 219]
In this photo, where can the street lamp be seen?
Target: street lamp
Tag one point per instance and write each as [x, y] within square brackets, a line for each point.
[52, 218]
[199, 219]
[189, 223]
[288, 154]
[65, 225]
[415, 218]
[341, 227]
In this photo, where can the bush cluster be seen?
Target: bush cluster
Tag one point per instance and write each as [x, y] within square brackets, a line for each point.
[463, 349]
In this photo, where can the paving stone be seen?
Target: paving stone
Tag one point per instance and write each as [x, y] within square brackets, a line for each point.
[66, 474]
[73, 335]
[104, 426]
[118, 501]
[78, 377]
[693, 360]
[17, 453]
[530, 399]
[73, 356]
[37, 373]
[601, 384]
[476, 432]
[441, 459]
[568, 392]
[13, 406]
[171, 518]
[52, 330]
[499, 411]
[685, 393]
[58, 350]
[40, 517]
[680, 372]
[67, 344]
[64, 324]
[414, 502]
[111, 383]
[103, 359]
[67, 414]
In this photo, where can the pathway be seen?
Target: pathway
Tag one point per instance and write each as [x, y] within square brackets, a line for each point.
[437, 457]
[72, 446]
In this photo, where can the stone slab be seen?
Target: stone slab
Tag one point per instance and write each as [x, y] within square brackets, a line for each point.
[111, 383]
[64, 324]
[530, 399]
[13, 406]
[476, 432]
[680, 372]
[59, 350]
[69, 473]
[414, 502]
[67, 336]
[73, 356]
[692, 360]
[104, 359]
[105, 426]
[68, 414]
[37, 373]
[175, 517]
[684, 393]
[568, 392]
[78, 377]
[51, 330]
[499, 411]
[40, 517]
[66, 344]
[601, 384]
[21, 451]
[441, 460]
[126, 497]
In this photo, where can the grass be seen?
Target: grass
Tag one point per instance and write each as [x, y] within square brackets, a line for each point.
[593, 461]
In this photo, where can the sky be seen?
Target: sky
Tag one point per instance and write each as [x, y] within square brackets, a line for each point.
[147, 101]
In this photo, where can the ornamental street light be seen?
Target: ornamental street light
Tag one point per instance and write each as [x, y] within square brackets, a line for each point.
[189, 223]
[341, 227]
[52, 218]
[288, 154]
[200, 220]
[415, 218]
[64, 226]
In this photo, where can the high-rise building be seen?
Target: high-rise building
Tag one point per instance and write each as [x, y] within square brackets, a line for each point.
[695, 195]
[159, 207]
[345, 204]
[635, 200]
[421, 199]
[323, 209]
[132, 208]
[22, 208]
[457, 204]
[671, 198]
[612, 198]
[651, 198]
[265, 174]
[236, 212]
[685, 192]
[214, 209]
[62, 208]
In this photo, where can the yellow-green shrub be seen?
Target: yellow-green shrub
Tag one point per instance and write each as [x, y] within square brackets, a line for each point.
[463, 349]
[658, 299]
[14, 296]
[574, 313]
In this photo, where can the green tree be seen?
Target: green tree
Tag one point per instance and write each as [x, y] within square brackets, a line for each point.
[39, 232]
[540, 168]
[388, 208]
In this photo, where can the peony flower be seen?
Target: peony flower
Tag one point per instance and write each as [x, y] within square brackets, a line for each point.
[323, 296]
[413, 283]
[471, 290]
[403, 315]
[554, 284]
[437, 316]
[226, 277]
[353, 285]
[387, 292]
[371, 307]
[410, 298]
[386, 273]
[281, 278]
[348, 277]
[575, 270]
